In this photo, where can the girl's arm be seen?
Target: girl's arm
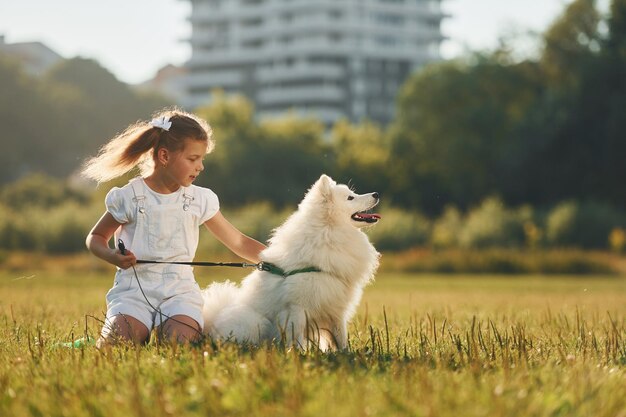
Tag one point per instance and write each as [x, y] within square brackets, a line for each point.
[242, 245]
[98, 243]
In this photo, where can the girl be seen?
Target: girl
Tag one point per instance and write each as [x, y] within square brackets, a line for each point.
[158, 215]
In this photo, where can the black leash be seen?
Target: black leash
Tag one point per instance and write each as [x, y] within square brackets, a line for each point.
[261, 266]
[258, 266]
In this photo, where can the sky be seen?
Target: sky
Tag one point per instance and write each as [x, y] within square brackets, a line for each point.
[134, 38]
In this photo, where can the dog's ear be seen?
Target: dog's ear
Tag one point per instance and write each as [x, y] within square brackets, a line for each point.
[324, 184]
[321, 188]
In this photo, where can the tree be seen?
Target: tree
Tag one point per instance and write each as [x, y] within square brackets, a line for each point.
[27, 119]
[531, 131]
[273, 161]
[578, 129]
[94, 106]
[291, 156]
[361, 155]
[453, 130]
[570, 43]
[51, 124]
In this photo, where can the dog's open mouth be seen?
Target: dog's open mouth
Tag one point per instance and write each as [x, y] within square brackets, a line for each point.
[365, 216]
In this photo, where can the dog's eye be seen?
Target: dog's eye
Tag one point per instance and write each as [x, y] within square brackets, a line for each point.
[350, 197]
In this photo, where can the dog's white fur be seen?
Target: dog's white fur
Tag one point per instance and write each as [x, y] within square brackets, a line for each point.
[306, 309]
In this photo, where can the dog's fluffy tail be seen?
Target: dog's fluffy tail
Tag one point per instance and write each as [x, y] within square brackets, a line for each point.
[227, 319]
[217, 297]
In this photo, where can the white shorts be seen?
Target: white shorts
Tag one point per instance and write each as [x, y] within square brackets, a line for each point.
[168, 292]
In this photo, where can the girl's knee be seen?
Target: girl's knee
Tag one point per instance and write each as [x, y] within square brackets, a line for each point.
[123, 328]
[182, 329]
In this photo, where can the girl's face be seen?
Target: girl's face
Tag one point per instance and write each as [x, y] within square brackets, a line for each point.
[184, 166]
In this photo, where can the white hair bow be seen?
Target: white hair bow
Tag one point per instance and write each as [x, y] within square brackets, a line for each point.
[162, 122]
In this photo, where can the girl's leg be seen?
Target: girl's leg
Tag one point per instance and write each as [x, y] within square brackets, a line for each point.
[123, 327]
[181, 328]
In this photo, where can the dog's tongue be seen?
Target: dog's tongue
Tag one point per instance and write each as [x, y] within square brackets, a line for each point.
[369, 215]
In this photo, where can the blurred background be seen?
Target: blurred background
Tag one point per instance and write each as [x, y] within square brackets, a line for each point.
[494, 130]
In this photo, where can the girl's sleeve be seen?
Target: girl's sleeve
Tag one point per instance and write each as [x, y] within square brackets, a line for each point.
[210, 204]
[116, 205]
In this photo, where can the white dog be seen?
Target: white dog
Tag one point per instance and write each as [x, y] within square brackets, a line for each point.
[315, 268]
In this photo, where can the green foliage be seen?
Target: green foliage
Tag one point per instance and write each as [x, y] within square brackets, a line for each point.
[25, 115]
[255, 220]
[570, 41]
[361, 154]
[293, 155]
[51, 124]
[503, 261]
[535, 131]
[446, 228]
[275, 161]
[56, 219]
[399, 229]
[16, 231]
[616, 41]
[258, 220]
[58, 229]
[491, 224]
[39, 190]
[452, 138]
[586, 225]
[65, 227]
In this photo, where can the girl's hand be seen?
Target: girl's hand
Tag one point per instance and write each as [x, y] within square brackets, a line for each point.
[233, 239]
[97, 242]
[124, 261]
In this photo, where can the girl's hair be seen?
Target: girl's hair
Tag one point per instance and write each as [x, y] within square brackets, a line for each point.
[138, 145]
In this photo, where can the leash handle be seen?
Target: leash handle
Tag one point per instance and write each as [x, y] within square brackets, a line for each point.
[121, 247]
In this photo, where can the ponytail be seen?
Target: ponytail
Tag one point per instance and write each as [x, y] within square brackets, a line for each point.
[137, 145]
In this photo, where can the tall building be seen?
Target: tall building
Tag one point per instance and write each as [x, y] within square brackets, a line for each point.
[330, 59]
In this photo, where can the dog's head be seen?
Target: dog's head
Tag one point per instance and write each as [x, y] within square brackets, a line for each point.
[341, 204]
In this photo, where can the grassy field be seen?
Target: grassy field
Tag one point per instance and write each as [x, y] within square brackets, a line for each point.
[420, 345]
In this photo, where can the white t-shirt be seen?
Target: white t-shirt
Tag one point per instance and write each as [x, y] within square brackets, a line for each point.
[121, 203]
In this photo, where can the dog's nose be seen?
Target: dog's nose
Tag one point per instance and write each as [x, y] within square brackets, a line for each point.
[375, 195]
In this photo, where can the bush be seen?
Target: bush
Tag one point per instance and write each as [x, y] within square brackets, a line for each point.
[61, 229]
[502, 261]
[445, 232]
[65, 227]
[57, 221]
[399, 229]
[491, 225]
[38, 190]
[258, 220]
[17, 231]
[586, 225]
[255, 220]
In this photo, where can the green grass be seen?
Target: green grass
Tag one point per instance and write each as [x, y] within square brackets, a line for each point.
[420, 345]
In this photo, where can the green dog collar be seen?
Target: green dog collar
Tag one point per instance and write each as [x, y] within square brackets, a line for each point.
[273, 269]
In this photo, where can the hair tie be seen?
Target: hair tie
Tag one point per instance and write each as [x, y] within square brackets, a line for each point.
[162, 122]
